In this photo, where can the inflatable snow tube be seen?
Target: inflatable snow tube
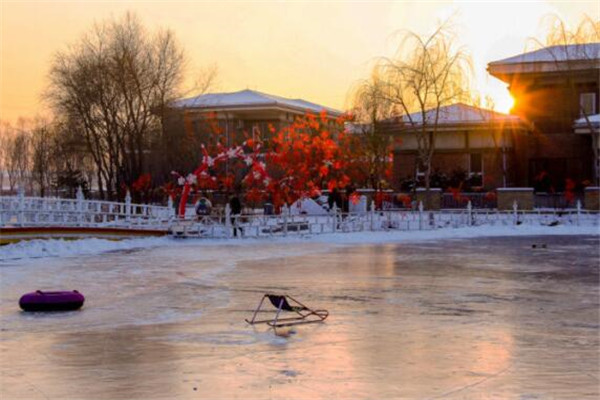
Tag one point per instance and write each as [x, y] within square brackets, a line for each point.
[51, 301]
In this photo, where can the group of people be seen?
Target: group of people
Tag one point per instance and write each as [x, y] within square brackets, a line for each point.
[335, 198]
[204, 208]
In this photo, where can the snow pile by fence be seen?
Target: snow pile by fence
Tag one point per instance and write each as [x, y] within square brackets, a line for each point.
[62, 248]
[59, 248]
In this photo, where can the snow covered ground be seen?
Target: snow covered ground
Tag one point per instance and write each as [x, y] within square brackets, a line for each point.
[58, 247]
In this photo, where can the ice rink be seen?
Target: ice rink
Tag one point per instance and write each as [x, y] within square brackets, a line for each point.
[478, 318]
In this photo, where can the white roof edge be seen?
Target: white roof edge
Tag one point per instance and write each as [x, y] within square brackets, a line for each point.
[592, 118]
[558, 53]
[250, 99]
[515, 189]
[461, 113]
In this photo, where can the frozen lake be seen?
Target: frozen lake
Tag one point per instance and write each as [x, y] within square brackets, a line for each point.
[486, 318]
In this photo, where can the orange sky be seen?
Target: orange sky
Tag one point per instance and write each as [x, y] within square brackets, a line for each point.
[303, 49]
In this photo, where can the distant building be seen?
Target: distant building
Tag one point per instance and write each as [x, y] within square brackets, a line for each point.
[554, 89]
[247, 111]
[190, 122]
[481, 143]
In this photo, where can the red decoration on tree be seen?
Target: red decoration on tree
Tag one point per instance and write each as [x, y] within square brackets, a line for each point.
[302, 159]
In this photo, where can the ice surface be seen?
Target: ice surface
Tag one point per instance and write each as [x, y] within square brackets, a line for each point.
[474, 317]
[59, 247]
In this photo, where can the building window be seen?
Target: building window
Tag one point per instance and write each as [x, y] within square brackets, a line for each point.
[587, 104]
[476, 169]
[420, 171]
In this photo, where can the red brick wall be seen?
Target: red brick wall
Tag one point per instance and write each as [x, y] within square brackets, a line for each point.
[448, 162]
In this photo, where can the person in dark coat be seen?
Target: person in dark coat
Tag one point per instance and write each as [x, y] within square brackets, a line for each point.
[334, 198]
[236, 209]
[346, 200]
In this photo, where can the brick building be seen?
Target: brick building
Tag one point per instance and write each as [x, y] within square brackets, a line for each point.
[482, 143]
[553, 87]
[190, 122]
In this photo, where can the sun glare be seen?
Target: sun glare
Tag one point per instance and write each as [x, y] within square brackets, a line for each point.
[505, 102]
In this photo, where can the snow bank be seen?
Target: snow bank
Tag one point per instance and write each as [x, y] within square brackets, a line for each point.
[307, 206]
[62, 248]
[457, 233]
[59, 247]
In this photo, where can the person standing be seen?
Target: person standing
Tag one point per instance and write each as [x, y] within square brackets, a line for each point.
[335, 198]
[236, 209]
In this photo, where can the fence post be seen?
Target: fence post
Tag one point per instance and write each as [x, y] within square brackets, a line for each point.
[171, 212]
[420, 215]
[228, 220]
[128, 206]
[21, 206]
[80, 198]
[515, 207]
[285, 211]
[469, 213]
[578, 210]
[372, 215]
[334, 212]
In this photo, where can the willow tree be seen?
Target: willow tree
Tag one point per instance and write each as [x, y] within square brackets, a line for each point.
[113, 84]
[370, 108]
[426, 74]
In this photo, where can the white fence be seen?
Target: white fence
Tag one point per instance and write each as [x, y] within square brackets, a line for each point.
[286, 224]
[21, 211]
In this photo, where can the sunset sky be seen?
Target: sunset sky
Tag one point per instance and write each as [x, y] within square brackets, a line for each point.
[302, 49]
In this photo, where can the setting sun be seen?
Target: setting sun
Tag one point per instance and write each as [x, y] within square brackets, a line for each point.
[504, 102]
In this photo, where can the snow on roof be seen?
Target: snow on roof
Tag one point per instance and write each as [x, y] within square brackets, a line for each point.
[574, 52]
[251, 98]
[592, 118]
[582, 126]
[460, 113]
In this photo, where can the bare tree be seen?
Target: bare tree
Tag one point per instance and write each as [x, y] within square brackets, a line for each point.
[113, 86]
[42, 171]
[71, 164]
[557, 32]
[4, 144]
[426, 74]
[206, 79]
[18, 158]
[370, 108]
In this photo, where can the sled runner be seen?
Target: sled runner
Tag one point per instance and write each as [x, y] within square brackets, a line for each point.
[302, 313]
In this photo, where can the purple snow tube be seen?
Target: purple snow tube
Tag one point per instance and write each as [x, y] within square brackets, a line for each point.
[51, 301]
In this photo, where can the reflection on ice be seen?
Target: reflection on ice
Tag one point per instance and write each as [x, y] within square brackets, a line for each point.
[430, 320]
